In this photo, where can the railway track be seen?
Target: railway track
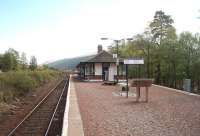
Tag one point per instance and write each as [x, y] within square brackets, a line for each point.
[45, 119]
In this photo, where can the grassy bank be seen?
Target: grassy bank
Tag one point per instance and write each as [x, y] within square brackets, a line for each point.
[17, 83]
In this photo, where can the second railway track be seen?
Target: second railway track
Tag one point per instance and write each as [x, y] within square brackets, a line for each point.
[40, 120]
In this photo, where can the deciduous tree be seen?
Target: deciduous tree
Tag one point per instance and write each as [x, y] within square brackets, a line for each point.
[33, 63]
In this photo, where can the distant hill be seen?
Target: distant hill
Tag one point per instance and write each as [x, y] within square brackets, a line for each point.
[69, 63]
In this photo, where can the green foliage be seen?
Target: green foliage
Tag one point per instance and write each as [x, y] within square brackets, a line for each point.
[9, 60]
[33, 63]
[162, 30]
[161, 26]
[45, 67]
[19, 80]
[1, 61]
[15, 83]
[169, 58]
[23, 61]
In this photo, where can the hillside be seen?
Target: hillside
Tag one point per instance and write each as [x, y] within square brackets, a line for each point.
[68, 63]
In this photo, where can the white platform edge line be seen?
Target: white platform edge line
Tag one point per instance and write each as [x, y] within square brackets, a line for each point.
[66, 113]
[176, 90]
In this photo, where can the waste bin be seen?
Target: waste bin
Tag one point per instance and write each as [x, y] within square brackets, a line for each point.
[187, 85]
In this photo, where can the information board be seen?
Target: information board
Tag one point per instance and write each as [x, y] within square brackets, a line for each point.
[134, 61]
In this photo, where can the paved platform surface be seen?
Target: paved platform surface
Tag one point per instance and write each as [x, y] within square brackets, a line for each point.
[168, 113]
[72, 125]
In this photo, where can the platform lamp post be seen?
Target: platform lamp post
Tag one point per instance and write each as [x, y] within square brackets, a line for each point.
[117, 44]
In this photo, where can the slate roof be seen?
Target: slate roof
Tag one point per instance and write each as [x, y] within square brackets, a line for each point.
[103, 56]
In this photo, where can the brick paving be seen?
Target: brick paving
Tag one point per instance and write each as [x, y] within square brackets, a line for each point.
[168, 113]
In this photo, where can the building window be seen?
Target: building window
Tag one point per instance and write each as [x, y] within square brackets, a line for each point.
[89, 69]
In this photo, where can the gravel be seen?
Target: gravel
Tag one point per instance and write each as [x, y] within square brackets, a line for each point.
[21, 107]
[168, 113]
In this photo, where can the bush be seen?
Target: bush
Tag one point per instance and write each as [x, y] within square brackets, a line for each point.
[16, 83]
[19, 80]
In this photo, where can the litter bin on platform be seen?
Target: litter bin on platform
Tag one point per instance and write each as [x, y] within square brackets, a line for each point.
[187, 85]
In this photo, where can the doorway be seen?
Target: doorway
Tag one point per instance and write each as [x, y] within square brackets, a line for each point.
[105, 71]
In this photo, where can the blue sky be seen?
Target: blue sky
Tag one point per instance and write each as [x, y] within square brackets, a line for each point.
[56, 29]
[17, 15]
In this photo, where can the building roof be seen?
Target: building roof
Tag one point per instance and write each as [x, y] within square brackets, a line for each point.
[102, 56]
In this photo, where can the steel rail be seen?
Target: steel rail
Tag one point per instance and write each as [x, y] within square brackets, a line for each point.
[29, 114]
[47, 131]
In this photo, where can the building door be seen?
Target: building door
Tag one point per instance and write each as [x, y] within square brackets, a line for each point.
[112, 72]
[105, 71]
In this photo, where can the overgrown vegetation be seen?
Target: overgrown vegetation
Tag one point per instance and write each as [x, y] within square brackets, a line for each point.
[169, 57]
[19, 77]
[17, 83]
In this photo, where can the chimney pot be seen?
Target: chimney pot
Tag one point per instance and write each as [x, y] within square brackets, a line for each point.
[100, 48]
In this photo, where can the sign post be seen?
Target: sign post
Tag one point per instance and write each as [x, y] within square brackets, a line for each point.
[136, 61]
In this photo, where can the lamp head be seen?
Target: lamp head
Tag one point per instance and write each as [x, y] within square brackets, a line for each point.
[104, 38]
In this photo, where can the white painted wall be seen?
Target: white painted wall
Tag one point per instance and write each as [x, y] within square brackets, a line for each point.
[112, 72]
[98, 69]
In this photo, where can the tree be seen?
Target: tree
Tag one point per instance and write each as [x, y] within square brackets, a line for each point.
[33, 63]
[1, 61]
[187, 42]
[7, 62]
[168, 58]
[15, 58]
[24, 62]
[160, 28]
[143, 42]
[190, 45]
[10, 60]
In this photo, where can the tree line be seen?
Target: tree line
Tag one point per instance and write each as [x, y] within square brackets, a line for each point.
[11, 60]
[169, 57]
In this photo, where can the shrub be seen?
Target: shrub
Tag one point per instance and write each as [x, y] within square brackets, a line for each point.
[19, 80]
[15, 83]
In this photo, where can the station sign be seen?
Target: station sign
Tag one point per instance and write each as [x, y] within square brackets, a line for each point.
[134, 61]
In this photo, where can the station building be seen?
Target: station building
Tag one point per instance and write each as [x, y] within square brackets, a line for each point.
[101, 66]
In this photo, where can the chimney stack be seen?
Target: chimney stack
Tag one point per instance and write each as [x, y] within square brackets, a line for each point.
[100, 48]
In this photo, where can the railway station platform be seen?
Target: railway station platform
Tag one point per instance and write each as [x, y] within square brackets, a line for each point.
[72, 123]
[169, 112]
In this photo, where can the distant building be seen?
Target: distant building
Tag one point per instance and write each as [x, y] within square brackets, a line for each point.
[101, 66]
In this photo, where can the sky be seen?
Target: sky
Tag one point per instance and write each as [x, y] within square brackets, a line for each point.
[58, 29]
